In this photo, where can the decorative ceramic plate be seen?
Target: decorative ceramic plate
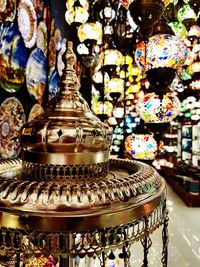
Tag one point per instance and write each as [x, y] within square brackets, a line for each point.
[36, 75]
[60, 64]
[12, 117]
[58, 39]
[3, 4]
[27, 22]
[53, 84]
[42, 37]
[12, 58]
[39, 6]
[36, 110]
[8, 10]
[52, 53]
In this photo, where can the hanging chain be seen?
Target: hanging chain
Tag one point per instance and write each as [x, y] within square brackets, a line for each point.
[165, 236]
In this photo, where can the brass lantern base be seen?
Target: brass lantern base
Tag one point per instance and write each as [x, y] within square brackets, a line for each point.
[105, 214]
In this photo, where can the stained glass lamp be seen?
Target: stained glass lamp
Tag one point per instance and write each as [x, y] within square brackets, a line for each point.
[160, 56]
[178, 28]
[103, 107]
[90, 31]
[141, 144]
[187, 16]
[115, 85]
[77, 11]
[162, 50]
[155, 109]
[110, 59]
[76, 15]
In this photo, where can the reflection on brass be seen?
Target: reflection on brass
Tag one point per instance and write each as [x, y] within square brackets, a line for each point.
[67, 132]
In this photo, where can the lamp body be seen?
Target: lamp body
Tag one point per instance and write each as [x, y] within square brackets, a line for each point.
[154, 109]
[141, 146]
[161, 50]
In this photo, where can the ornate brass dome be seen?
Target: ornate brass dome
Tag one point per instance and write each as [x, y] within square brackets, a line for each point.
[67, 140]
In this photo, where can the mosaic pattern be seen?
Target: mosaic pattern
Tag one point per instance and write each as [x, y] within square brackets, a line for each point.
[162, 50]
[12, 117]
[27, 22]
[141, 146]
[153, 109]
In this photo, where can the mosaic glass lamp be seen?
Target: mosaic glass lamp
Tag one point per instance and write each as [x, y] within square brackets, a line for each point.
[155, 109]
[90, 31]
[187, 16]
[77, 11]
[162, 50]
[141, 144]
[160, 56]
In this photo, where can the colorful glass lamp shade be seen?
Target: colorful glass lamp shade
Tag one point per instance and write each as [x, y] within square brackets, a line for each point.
[103, 107]
[155, 109]
[146, 13]
[110, 59]
[187, 16]
[77, 15]
[141, 146]
[178, 28]
[90, 31]
[160, 56]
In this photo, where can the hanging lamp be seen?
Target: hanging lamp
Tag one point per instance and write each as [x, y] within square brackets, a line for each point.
[161, 55]
[146, 13]
[141, 144]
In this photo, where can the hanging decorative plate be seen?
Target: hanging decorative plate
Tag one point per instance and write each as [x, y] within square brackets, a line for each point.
[60, 64]
[53, 84]
[58, 39]
[3, 4]
[52, 53]
[36, 110]
[12, 117]
[7, 10]
[12, 59]
[36, 75]
[27, 22]
[39, 6]
[42, 37]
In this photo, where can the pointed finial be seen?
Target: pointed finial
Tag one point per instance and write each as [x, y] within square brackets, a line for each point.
[69, 79]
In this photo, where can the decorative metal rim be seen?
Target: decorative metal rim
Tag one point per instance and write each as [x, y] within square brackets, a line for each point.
[129, 203]
[80, 243]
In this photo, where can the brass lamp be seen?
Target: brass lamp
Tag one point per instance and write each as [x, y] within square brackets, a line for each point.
[65, 198]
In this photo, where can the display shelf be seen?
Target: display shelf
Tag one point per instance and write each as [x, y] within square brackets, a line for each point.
[189, 143]
[189, 199]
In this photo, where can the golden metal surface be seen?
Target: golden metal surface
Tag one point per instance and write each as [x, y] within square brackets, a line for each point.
[129, 191]
[67, 127]
[63, 158]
